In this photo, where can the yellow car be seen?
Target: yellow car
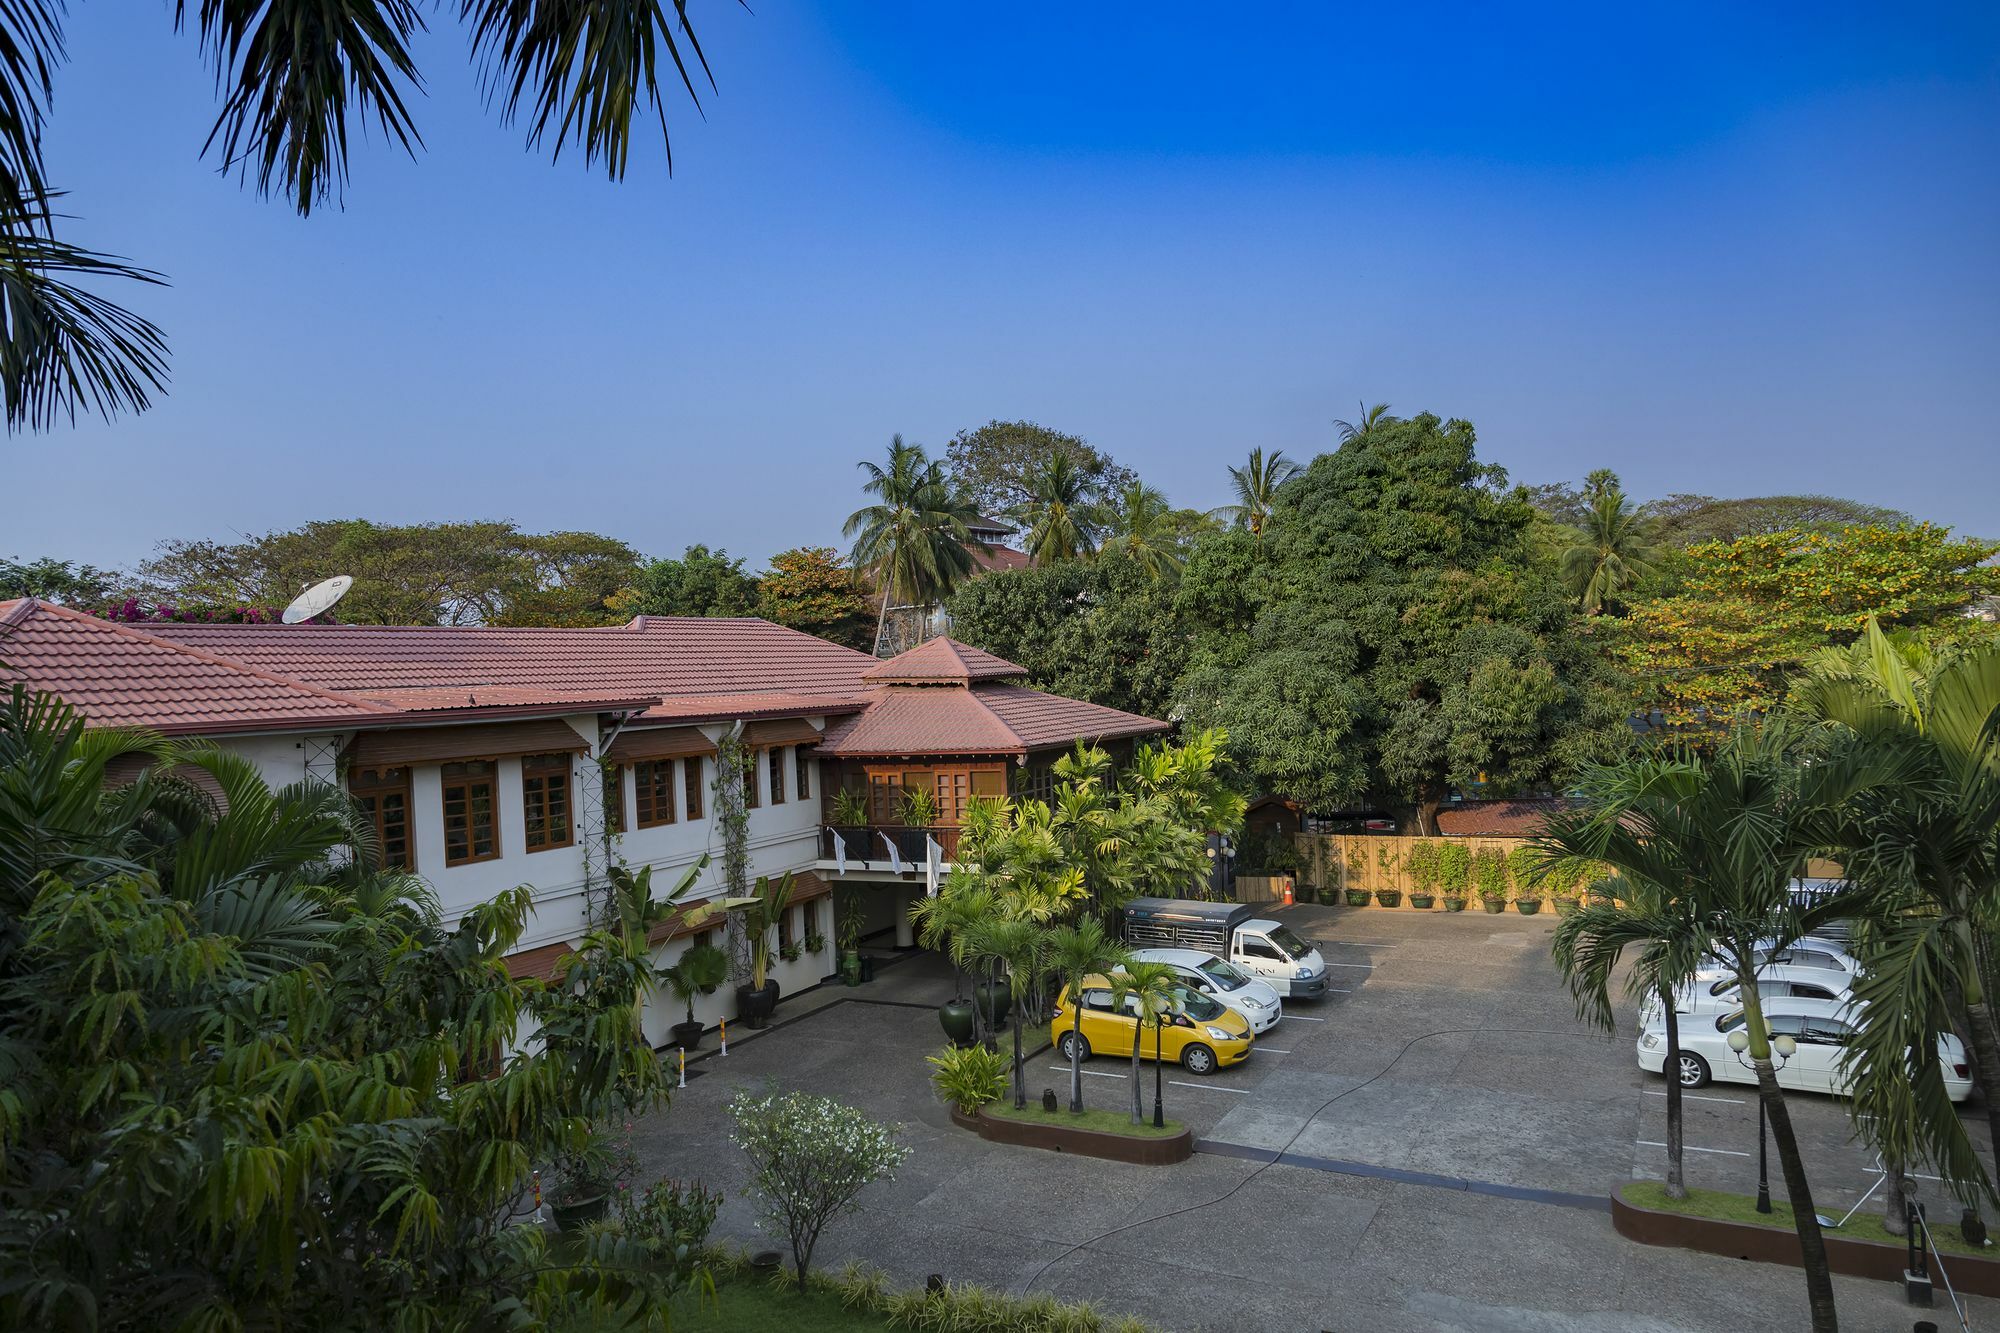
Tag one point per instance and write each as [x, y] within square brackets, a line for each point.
[1201, 1034]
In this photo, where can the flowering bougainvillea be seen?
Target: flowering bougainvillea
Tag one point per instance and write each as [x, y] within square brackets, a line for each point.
[1749, 611]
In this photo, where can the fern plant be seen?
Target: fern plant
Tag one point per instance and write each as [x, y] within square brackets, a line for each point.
[968, 1077]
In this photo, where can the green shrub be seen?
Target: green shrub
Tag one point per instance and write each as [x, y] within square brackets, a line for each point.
[1423, 867]
[1454, 868]
[968, 1077]
[1526, 864]
[1489, 871]
[959, 1308]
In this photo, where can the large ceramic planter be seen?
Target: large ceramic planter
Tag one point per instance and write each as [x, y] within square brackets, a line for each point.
[1495, 905]
[955, 1017]
[1357, 897]
[687, 1036]
[1454, 904]
[1421, 901]
[580, 1211]
[994, 1004]
[850, 968]
[1389, 897]
[1527, 906]
[754, 1006]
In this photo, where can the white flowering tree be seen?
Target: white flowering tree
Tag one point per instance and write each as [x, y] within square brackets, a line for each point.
[811, 1157]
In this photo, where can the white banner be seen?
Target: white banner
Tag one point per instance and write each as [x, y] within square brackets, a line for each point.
[840, 853]
[895, 860]
[933, 857]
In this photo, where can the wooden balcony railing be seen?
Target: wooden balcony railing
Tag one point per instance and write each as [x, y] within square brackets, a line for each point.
[865, 842]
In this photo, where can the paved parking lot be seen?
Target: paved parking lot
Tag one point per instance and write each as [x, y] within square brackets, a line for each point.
[1449, 1133]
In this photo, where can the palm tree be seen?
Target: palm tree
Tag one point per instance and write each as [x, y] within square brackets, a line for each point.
[1923, 859]
[916, 541]
[1061, 515]
[1075, 952]
[1372, 418]
[1146, 990]
[1138, 531]
[946, 922]
[1613, 551]
[1669, 942]
[1256, 485]
[1723, 839]
[1017, 945]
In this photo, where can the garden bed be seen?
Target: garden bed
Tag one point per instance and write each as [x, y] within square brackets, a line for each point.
[1105, 1134]
[1729, 1224]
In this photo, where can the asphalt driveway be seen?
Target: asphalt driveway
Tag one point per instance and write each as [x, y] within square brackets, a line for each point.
[1448, 1132]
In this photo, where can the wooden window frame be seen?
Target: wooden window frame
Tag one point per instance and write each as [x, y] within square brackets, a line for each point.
[751, 797]
[691, 781]
[785, 936]
[653, 794]
[776, 764]
[802, 771]
[548, 781]
[468, 781]
[368, 786]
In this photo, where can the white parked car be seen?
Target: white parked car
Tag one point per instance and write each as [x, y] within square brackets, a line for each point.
[1715, 990]
[1820, 1027]
[1223, 982]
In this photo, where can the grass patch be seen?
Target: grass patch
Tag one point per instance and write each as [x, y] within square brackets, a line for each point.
[746, 1306]
[1720, 1206]
[1104, 1122]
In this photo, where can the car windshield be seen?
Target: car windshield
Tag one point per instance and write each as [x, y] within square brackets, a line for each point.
[1196, 1005]
[1224, 974]
[1293, 946]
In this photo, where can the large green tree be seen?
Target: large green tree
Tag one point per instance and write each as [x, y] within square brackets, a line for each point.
[292, 75]
[700, 583]
[1064, 516]
[994, 464]
[915, 541]
[65, 581]
[1107, 631]
[404, 574]
[246, 1084]
[1612, 550]
[1689, 520]
[1387, 636]
[812, 589]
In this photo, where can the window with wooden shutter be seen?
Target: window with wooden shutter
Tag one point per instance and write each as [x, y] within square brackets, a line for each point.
[653, 786]
[777, 754]
[384, 797]
[691, 769]
[750, 761]
[545, 801]
[470, 833]
[802, 762]
[953, 786]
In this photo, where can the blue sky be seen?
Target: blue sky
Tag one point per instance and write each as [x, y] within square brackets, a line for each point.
[1717, 250]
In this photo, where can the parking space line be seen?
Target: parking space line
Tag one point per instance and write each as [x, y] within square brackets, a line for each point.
[1088, 1073]
[1876, 1171]
[1301, 1018]
[1697, 1097]
[1209, 1087]
[1269, 1050]
[1719, 1152]
[1363, 966]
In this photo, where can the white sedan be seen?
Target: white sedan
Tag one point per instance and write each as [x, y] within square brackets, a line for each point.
[1715, 990]
[1821, 1029]
[1223, 982]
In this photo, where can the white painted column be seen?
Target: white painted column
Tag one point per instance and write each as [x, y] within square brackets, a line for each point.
[906, 934]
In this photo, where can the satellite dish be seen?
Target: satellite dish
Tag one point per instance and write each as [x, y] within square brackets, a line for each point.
[318, 599]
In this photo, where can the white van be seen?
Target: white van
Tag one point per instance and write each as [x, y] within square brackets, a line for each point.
[1223, 982]
[1268, 950]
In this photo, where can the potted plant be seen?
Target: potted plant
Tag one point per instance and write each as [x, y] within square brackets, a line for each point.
[1454, 866]
[1529, 902]
[1389, 897]
[700, 970]
[1489, 872]
[815, 943]
[1421, 865]
[756, 999]
[581, 1182]
[850, 943]
[918, 807]
[850, 808]
[1357, 897]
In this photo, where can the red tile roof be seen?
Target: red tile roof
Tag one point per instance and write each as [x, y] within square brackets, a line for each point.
[997, 558]
[984, 718]
[538, 964]
[121, 675]
[942, 662]
[1518, 818]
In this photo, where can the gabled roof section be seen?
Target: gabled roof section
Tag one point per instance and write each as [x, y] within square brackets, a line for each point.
[942, 661]
[119, 675]
[986, 718]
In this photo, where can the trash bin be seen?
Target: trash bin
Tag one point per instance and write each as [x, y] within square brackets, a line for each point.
[867, 968]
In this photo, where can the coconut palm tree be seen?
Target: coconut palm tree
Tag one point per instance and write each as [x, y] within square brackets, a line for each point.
[1061, 516]
[1256, 485]
[1724, 838]
[1146, 991]
[916, 540]
[1612, 552]
[1372, 418]
[1923, 863]
[1668, 942]
[1075, 952]
[1138, 530]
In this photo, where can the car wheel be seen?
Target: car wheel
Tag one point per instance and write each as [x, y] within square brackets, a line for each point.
[1693, 1071]
[1072, 1041]
[1198, 1059]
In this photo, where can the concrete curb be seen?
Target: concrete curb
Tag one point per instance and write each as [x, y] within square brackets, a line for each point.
[1084, 1142]
[1778, 1245]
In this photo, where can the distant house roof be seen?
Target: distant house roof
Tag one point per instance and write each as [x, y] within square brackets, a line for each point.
[944, 697]
[995, 558]
[1519, 818]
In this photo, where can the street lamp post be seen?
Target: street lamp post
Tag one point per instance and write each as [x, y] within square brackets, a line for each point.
[1159, 1116]
[1783, 1048]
